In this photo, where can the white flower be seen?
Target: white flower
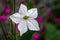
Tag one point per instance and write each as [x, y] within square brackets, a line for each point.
[26, 19]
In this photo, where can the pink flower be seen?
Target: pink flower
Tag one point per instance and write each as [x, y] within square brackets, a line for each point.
[40, 19]
[57, 20]
[16, 27]
[36, 36]
[3, 18]
[50, 13]
[43, 30]
[7, 10]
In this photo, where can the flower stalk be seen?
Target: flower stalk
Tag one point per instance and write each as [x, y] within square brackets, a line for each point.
[3, 30]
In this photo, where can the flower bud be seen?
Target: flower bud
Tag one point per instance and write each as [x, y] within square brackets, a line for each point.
[7, 10]
[40, 19]
[57, 20]
[3, 18]
[36, 36]
[50, 13]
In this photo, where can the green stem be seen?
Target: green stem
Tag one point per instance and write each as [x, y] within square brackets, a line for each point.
[11, 29]
[13, 23]
[3, 29]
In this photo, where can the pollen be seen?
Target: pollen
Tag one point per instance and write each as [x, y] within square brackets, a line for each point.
[25, 17]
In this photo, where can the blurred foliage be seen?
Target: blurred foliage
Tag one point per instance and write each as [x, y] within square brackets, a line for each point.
[52, 28]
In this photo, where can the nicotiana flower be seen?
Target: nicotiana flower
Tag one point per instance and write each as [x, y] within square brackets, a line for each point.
[25, 19]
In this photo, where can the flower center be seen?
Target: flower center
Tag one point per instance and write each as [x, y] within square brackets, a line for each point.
[25, 17]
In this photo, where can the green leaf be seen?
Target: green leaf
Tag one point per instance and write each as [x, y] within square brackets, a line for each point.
[27, 36]
[50, 31]
[30, 4]
[57, 35]
[50, 27]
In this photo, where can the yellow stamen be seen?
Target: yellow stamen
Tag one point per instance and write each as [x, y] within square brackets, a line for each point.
[25, 17]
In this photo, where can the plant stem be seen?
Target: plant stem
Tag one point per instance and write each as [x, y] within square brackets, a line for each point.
[3, 29]
[14, 32]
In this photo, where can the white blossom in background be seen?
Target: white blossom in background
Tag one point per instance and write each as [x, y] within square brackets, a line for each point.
[25, 19]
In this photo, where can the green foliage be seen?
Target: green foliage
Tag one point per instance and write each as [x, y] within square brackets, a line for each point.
[27, 35]
[51, 28]
[50, 32]
[30, 5]
[57, 35]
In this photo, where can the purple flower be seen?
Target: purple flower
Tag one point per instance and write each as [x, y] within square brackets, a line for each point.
[50, 13]
[57, 20]
[16, 27]
[40, 19]
[36, 36]
[3, 18]
[7, 10]
[43, 30]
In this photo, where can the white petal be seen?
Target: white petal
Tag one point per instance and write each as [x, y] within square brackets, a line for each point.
[33, 25]
[23, 9]
[22, 27]
[32, 13]
[16, 17]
